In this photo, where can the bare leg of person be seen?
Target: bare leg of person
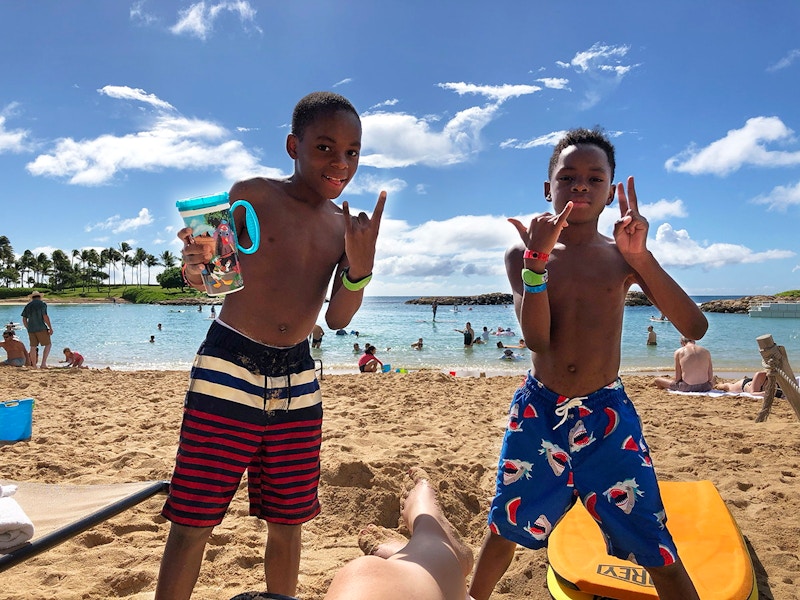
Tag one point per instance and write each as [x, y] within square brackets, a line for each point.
[673, 583]
[180, 564]
[282, 558]
[433, 564]
[493, 561]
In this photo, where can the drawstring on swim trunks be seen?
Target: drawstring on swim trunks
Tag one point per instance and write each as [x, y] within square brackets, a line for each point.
[563, 410]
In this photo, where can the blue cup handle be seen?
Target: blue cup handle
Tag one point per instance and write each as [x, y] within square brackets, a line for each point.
[251, 222]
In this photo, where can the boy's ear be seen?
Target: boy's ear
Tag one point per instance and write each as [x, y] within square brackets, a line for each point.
[291, 145]
[611, 193]
[547, 191]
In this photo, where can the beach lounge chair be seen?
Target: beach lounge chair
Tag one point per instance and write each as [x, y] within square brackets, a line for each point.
[60, 512]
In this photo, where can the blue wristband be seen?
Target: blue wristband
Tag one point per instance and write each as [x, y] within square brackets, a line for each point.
[535, 289]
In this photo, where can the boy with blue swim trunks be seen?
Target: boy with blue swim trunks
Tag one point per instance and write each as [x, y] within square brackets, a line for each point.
[572, 431]
[254, 402]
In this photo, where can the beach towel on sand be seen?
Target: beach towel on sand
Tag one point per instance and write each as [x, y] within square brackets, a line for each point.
[15, 526]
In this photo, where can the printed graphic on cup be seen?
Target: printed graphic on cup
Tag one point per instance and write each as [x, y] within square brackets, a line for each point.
[211, 220]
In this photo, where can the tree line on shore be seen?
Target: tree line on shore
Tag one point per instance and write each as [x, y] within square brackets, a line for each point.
[86, 268]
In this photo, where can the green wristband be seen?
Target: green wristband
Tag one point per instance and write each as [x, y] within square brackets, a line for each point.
[532, 278]
[354, 286]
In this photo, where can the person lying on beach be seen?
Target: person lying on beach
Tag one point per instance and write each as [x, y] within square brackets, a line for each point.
[73, 359]
[260, 341]
[749, 385]
[693, 369]
[569, 284]
[432, 565]
[16, 353]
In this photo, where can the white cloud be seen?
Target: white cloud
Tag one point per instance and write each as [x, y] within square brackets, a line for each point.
[391, 102]
[198, 20]
[549, 139]
[344, 81]
[401, 140]
[739, 147]
[786, 61]
[675, 248]
[601, 68]
[13, 140]
[121, 92]
[169, 141]
[371, 183]
[117, 224]
[554, 83]
[780, 198]
[495, 93]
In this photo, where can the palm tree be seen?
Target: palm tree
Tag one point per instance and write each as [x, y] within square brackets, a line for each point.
[44, 266]
[124, 248]
[27, 262]
[138, 260]
[84, 271]
[150, 261]
[168, 259]
[6, 259]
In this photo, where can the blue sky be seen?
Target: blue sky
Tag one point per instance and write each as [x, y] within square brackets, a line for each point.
[112, 111]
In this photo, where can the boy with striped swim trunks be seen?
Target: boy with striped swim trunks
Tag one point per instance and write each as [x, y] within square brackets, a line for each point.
[254, 402]
[572, 430]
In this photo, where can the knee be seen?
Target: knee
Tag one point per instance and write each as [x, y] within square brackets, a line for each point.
[285, 534]
[181, 535]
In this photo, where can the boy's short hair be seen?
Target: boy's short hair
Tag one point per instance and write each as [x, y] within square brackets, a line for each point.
[573, 137]
[315, 104]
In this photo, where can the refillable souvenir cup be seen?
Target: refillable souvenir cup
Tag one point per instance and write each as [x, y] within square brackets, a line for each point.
[211, 220]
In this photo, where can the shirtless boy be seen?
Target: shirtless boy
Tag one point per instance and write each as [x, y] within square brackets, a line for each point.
[693, 369]
[559, 418]
[254, 402]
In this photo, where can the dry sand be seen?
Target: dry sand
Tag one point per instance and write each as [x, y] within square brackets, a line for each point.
[94, 426]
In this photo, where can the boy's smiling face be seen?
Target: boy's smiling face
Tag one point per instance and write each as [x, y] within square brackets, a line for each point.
[582, 176]
[326, 156]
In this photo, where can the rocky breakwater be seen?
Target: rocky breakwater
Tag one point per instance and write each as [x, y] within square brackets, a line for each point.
[737, 305]
[499, 298]
[495, 298]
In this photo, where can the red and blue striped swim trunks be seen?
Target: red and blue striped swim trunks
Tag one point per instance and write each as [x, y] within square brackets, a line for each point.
[249, 407]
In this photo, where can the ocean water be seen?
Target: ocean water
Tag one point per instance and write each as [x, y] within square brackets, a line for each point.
[117, 336]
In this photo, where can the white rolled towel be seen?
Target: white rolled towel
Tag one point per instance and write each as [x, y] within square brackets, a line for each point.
[15, 526]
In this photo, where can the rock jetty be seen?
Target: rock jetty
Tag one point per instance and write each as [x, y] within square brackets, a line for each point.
[499, 298]
[737, 305]
[495, 298]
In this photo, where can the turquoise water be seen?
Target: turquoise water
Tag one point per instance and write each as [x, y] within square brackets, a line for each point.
[117, 336]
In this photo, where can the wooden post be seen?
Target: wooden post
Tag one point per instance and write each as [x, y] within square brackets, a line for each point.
[779, 372]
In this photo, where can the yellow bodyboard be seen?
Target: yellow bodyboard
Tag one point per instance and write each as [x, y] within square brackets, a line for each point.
[709, 544]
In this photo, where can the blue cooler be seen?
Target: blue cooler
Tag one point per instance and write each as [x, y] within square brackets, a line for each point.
[16, 420]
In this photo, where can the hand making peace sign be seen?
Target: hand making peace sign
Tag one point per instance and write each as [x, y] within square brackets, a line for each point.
[360, 236]
[630, 231]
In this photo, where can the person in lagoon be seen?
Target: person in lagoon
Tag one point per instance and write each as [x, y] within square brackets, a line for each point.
[73, 359]
[469, 334]
[316, 336]
[368, 363]
[568, 420]
[651, 336]
[417, 345]
[260, 339]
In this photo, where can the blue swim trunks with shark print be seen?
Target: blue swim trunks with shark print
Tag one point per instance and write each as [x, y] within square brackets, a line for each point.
[557, 449]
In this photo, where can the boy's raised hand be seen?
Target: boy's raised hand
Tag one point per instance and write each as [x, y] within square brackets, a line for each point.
[360, 236]
[630, 230]
[542, 234]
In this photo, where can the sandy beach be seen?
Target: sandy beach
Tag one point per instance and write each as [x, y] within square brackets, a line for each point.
[102, 426]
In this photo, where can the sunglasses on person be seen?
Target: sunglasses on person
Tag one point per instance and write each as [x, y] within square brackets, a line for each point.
[7, 334]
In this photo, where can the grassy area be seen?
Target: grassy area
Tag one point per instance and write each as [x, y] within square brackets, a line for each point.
[145, 294]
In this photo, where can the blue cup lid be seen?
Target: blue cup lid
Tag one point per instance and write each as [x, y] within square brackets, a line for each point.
[202, 202]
